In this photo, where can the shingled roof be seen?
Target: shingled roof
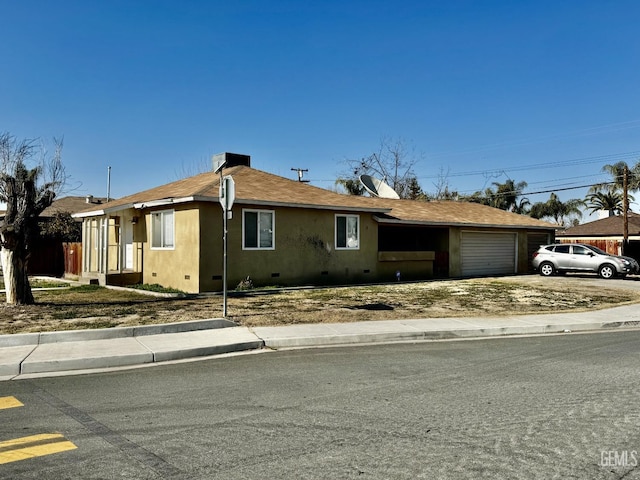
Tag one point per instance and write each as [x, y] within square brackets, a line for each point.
[453, 213]
[71, 205]
[606, 227]
[256, 187]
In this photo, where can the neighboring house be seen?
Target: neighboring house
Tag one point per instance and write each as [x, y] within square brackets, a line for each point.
[285, 232]
[70, 205]
[607, 234]
[49, 253]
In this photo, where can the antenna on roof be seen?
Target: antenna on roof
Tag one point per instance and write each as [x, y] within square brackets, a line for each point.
[301, 172]
[377, 187]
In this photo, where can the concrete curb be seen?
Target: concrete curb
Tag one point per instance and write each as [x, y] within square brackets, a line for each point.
[302, 341]
[83, 351]
[30, 353]
[86, 355]
[11, 359]
[111, 333]
[94, 352]
[200, 344]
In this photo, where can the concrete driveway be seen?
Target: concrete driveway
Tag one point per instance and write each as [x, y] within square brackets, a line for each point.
[631, 282]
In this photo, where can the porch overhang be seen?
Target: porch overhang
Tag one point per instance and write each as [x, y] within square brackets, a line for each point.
[441, 223]
[103, 212]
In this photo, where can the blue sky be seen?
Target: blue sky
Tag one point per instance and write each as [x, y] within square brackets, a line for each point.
[541, 91]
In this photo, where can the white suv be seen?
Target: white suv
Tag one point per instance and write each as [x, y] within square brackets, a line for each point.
[577, 257]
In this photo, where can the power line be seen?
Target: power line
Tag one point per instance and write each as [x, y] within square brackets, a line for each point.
[550, 190]
[534, 166]
[564, 189]
[609, 158]
[558, 163]
[533, 140]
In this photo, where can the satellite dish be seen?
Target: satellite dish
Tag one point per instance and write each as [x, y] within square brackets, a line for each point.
[377, 187]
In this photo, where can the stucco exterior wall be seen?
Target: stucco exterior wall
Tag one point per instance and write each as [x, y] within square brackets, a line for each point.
[304, 250]
[176, 267]
[211, 246]
[522, 263]
[455, 261]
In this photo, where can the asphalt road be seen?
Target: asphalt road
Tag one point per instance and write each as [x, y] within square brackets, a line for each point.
[542, 407]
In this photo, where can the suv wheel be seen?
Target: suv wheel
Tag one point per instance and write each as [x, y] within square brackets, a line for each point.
[547, 269]
[607, 271]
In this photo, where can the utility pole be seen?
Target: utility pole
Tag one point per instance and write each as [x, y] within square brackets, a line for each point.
[625, 208]
[108, 184]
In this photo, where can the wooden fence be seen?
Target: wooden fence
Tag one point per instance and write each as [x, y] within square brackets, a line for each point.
[609, 246]
[56, 259]
[72, 258]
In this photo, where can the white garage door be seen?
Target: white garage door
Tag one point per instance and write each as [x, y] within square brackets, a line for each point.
[488, 253]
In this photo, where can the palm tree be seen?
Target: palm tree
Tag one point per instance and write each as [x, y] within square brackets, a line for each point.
[624, 178]
[506, 194]
[522, 207]
[610, 200]
[616, 170]
[556, 209]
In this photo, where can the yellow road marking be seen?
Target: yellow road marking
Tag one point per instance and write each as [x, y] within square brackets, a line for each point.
[33, 446]
[10, 402]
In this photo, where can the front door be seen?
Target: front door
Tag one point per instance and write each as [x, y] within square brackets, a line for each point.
[127, 245]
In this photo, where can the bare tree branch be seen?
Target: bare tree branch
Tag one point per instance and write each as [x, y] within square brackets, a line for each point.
[392, 162]
[29, 181]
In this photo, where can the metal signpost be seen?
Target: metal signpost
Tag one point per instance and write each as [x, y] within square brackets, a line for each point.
[227, 195]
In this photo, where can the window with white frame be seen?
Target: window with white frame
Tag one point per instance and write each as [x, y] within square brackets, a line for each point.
[347, 232]
[258, 230]
[162, 229]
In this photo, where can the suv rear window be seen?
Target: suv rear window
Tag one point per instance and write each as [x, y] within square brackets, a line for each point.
[561, 249]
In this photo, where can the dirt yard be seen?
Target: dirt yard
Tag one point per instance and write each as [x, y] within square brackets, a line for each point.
[96, 307]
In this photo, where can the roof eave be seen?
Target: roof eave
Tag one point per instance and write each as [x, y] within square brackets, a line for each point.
[398, 221]
[311, 206]
[93, 213]
[162, 202]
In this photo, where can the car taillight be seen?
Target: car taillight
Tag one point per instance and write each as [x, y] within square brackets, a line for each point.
[535, 254]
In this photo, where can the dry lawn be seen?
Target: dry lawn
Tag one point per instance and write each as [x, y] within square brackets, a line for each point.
[96, 307]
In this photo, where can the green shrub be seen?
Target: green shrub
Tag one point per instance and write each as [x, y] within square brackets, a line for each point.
[155, 287]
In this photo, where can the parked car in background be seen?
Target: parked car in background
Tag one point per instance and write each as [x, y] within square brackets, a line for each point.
[578, 257]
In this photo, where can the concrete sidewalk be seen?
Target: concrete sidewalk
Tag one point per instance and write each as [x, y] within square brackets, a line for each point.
[79, 351]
